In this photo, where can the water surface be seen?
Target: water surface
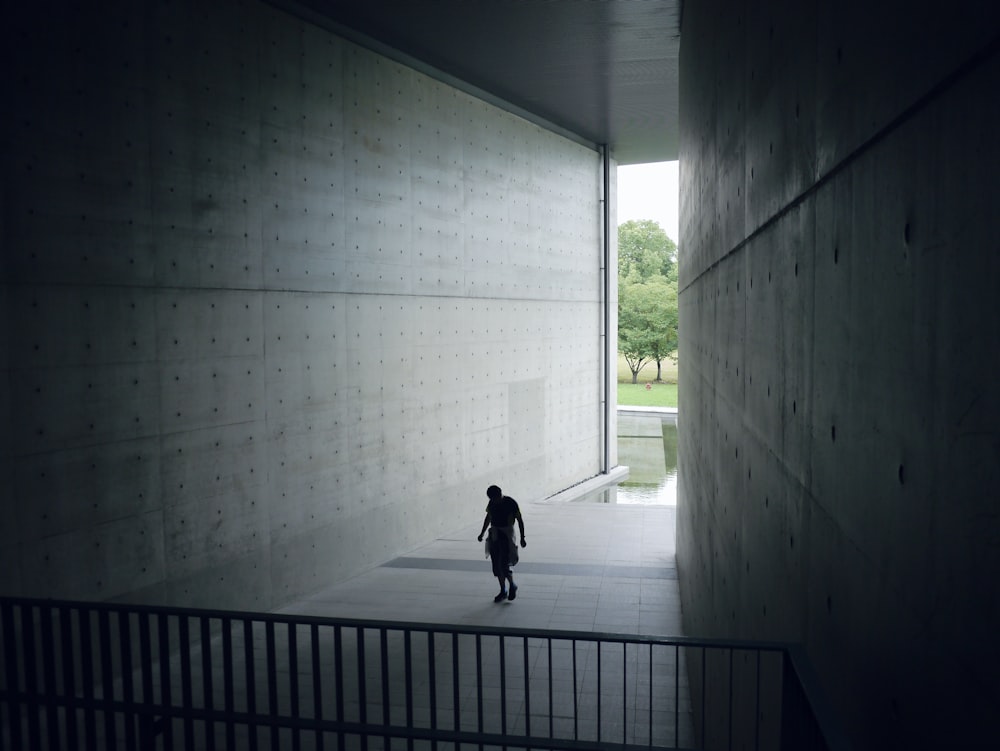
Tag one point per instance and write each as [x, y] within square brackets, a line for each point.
[647, 445]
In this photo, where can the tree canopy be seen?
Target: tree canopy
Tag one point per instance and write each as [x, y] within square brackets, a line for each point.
[647, 322]
[647, 295]
[644, 251]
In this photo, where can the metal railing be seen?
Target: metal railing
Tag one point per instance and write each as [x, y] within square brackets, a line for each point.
[99, 675]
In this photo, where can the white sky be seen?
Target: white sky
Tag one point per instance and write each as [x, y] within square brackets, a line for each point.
[649, 191]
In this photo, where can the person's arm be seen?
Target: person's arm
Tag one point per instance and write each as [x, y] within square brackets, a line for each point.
[486, 523]
[520, 524]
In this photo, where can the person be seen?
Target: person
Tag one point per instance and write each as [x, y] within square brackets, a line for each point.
[501, 513]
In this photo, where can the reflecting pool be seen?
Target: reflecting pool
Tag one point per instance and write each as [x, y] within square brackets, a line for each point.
[647, 445]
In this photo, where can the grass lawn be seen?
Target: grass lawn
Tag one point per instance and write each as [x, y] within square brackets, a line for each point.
[658, 395]
[637, 395]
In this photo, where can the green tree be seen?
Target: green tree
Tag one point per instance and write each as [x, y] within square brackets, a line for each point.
[644, 251]
[668, 347]
[665, 345]
[647, 322]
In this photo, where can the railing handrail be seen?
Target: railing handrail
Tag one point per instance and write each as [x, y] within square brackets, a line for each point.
[807, 717]
[392, 625]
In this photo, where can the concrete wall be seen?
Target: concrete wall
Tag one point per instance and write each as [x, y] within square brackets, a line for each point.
[275, 308]
[840, 327]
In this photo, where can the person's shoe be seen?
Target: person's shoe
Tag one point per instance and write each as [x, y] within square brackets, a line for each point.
[513, 592]
[500, 596]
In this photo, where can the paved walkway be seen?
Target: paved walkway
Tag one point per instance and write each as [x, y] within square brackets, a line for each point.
[587, 567]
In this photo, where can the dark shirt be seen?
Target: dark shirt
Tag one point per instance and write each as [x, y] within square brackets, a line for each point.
[503, 512]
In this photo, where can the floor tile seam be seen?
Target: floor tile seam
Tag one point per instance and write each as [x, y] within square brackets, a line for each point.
[616, 572]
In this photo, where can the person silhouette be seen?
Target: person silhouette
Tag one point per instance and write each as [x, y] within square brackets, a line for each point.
[501, 513]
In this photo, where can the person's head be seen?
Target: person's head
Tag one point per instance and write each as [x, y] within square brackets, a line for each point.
[494, 493]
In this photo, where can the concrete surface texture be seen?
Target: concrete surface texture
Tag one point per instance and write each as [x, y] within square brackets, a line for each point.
[274, 307]
[838, 450]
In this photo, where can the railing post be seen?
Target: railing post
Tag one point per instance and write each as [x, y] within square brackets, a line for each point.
[87, 679]
[146, 715]
[128, 689]
[362, 683]
[317, 682]
[408, 668]
[146, 681]
[206, 681]
[227, 680]
[432, 681]
[46, 614]
[293, 682]
[548, 641]
[527, 692]
[272, 682]
[30, 676]
[479, 684]
[756, 722]
[731, 679]
[163, 638]
[10, 652]
[625, 692]
[90, 666]
[338, 658]
[503, 688]
[384, 646]
[599, 671]
[250, 670]
[69, 678]
[456, 709]
[107, 677]
[704, 680]
[576, 711]
[677, 698]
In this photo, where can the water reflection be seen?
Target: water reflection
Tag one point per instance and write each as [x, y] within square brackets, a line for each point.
[647, 445]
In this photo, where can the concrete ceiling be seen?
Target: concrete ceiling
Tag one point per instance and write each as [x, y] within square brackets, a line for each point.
[605, 70]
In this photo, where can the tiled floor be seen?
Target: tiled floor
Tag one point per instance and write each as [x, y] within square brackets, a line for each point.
[588, 567]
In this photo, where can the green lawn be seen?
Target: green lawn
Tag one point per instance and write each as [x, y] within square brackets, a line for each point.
[657, 395]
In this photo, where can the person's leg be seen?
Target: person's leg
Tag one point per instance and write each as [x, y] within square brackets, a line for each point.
[501, 564]
[512, 590]
[498, 564]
